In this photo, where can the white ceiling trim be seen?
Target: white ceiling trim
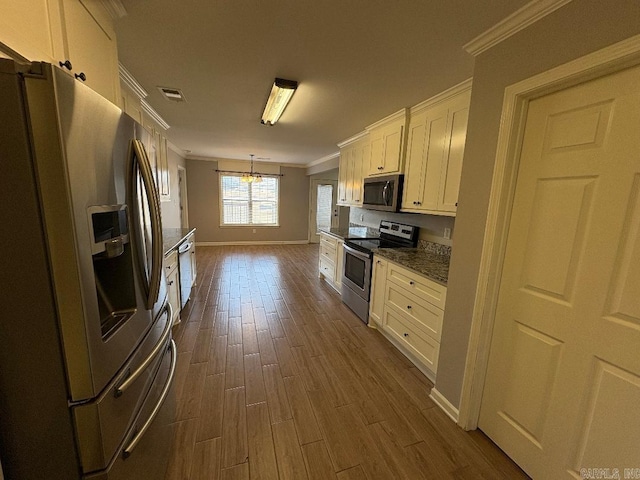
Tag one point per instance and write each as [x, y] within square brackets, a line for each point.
[517, 21]
[131, 82]
[353, 138]
[326, 158]
[153, 114]
[443, 96]
[115, 8]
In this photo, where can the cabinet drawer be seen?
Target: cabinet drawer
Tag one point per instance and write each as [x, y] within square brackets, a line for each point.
[424, 288]
[328, 241]
[170, 262]
[327, 268]
[425, 348]
[424, 315]
[328, 253]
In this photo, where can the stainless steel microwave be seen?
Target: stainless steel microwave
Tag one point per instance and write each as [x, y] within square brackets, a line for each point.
[383, 193]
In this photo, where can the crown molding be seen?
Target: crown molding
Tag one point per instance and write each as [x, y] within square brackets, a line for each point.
[131, 82]
[115, 8]
[326, 158]
[177, 150]
[517, 21]
[399, 115]
[353, 138]
[153, 114]
[442, 96]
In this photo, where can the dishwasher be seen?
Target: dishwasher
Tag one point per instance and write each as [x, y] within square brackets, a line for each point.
[186, 273]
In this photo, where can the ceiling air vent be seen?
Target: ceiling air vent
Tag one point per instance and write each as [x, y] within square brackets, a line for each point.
[172, 94]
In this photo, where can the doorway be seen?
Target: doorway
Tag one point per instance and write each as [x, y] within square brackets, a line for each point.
[182, 197]
[563, 371]
[323, 212]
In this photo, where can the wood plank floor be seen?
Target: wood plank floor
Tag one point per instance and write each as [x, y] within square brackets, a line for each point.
[277, 379]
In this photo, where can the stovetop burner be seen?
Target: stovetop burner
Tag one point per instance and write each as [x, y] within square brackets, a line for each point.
[392, 235]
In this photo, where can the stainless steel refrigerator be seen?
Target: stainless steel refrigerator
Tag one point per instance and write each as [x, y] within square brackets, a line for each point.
[86, 355]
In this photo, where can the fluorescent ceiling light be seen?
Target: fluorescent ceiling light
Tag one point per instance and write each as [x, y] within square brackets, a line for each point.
[281, 93]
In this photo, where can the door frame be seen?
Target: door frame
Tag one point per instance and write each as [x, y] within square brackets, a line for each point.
[313, 204]
[608, 60]
[182, 197]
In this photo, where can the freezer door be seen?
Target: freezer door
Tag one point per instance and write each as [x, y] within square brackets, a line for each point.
[82, 150]
[146, 448]
[102, 424]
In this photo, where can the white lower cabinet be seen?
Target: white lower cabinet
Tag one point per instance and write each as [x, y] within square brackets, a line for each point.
[173, 283]
[330, 262]
[408, 308]
[376, 300]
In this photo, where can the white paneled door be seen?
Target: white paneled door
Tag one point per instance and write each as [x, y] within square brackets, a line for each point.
[562, 393]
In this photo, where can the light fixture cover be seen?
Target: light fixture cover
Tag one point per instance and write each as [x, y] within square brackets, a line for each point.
[281, 93]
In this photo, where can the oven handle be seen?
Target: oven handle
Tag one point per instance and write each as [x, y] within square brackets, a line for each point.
[356, 253]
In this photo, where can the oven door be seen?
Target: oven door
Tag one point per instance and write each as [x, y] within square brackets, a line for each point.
[357, 271]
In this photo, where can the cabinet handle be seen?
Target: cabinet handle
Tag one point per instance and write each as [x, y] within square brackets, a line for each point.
[171, 283]
[411, 282]
[408, 306]
[81, 76]
[380, 168]
[418, 203]
[456, 204]
[378, 262]
[66, 64]
[405, 334]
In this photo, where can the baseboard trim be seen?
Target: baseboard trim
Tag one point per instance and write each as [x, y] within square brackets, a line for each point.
[272, 242]
[444, 404]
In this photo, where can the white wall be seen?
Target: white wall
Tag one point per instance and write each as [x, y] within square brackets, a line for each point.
[578, 28]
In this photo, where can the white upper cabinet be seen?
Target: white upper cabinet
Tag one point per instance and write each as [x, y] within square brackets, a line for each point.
[435, 148]
[354, 154]
[76, 33]
[33, 29]
[387, 144]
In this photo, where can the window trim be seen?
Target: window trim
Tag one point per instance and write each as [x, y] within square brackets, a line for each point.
[245, 225]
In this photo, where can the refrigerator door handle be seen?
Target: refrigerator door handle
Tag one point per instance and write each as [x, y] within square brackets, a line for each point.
[120, 389]
[153, 287]
[165, 392]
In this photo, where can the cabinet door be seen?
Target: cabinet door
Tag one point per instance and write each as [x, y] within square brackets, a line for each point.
[33, 29]
[361, 152]
[392, 156]
[173, 290]
[452, 162]
[342, 176]
[415, 167]
[378, 286]
[376, 155]
[339, 264]
[436, 133]
[91, 45]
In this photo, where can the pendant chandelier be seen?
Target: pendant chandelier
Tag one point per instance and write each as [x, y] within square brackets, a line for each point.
[251, 177]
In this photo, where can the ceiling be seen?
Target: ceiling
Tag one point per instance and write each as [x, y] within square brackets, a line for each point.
[356, 62]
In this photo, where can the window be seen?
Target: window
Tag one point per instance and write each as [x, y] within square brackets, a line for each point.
[243, 203]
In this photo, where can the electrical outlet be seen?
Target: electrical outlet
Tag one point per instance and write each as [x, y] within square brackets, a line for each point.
[362, 217]
[254, 230]
[447, 233]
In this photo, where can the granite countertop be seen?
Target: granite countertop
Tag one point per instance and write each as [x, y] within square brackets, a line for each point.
[172, 237]
[434, 266]
[353, 232]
